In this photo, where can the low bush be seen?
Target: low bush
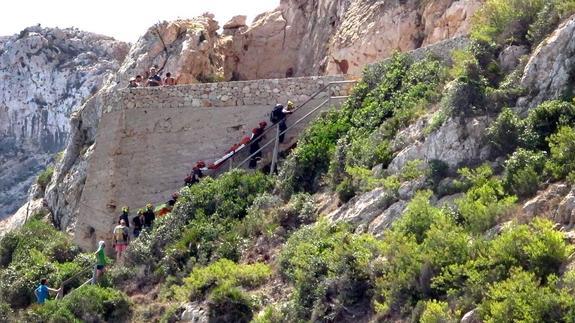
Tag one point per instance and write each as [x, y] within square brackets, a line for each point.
[561, 163]
[522, 298]
[506, 131]
[535, 247]
[203, 225]
[223, 272]
[329, 268]
[228, 304]
[545, 120]
[45, 177]
[35, 251]
[87, 304]
[437, 312]
[524, 172]
[485, 201]
[505, 21]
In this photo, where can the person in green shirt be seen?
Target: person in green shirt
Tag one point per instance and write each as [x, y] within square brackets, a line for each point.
[100, 261]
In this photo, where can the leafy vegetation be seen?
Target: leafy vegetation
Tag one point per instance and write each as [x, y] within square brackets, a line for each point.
[45, 177]
[390, 97]
[329, 267]
[87, 304]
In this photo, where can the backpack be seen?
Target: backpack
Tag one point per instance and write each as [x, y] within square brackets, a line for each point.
[120, 233]
[276, 114]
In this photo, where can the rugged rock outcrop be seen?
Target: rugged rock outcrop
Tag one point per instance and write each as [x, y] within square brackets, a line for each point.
[551, 68]
[340, 36]
[457, 142]
[186, 48]
[46, 74]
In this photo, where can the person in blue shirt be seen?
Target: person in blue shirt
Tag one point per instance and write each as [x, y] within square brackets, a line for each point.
[43, 291]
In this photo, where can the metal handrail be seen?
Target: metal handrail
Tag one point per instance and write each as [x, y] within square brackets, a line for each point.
[298, 107]
[275, 140]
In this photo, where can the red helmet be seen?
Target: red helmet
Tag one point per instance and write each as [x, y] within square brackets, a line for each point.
[263, 124]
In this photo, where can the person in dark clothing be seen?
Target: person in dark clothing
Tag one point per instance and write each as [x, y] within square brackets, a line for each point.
[195, 175]
[278, 115]
[149, 216]
[138, 222]
[257, 136]
[173, 200]
[154, 79]
[124, 216]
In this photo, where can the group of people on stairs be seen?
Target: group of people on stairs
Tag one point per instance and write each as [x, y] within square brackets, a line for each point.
[144, 219]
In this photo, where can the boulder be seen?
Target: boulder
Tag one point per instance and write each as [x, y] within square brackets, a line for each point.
[509, 58]
[386, 219]
[194, 313]
[456, 143]
[471, 317]
[236, 22]
[565, 212]
[545, 203]
[362, 209]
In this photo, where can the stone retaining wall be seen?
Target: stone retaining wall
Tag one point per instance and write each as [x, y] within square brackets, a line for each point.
[225, 94]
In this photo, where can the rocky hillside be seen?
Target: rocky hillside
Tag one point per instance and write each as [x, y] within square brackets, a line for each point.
[194, 52]
[441, 191]
[186, 48]
[302, 38]
[46, 75]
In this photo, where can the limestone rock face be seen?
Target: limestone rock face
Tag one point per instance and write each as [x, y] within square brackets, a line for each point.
[46, 74]
[456, 142]
[190, 52]
[546, 202]
[340, 36]
[549, 71]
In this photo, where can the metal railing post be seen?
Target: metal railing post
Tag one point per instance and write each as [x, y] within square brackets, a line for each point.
[276, 148]
[231, 162]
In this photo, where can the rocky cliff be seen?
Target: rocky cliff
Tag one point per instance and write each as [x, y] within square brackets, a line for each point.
[303, 38]
[46, 75]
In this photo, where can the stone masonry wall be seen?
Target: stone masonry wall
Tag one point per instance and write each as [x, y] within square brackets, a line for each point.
[224, 94]
[149, 138]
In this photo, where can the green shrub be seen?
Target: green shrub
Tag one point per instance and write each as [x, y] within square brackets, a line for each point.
[418, 216]
[397, 275]
[547, 19]
[346, 190]
[45, 177]
[87, 304]
[35, 251]
[505, 21]
[329, 267]
[545, 120]
[464, 98]
[522, 298]
[209, 211]
[229, 304]
[535, 247]
[524, 172]
[222, 283]
[223, 272]
[485, 200]
[505, 132]
[561, 163]
[437, 312]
